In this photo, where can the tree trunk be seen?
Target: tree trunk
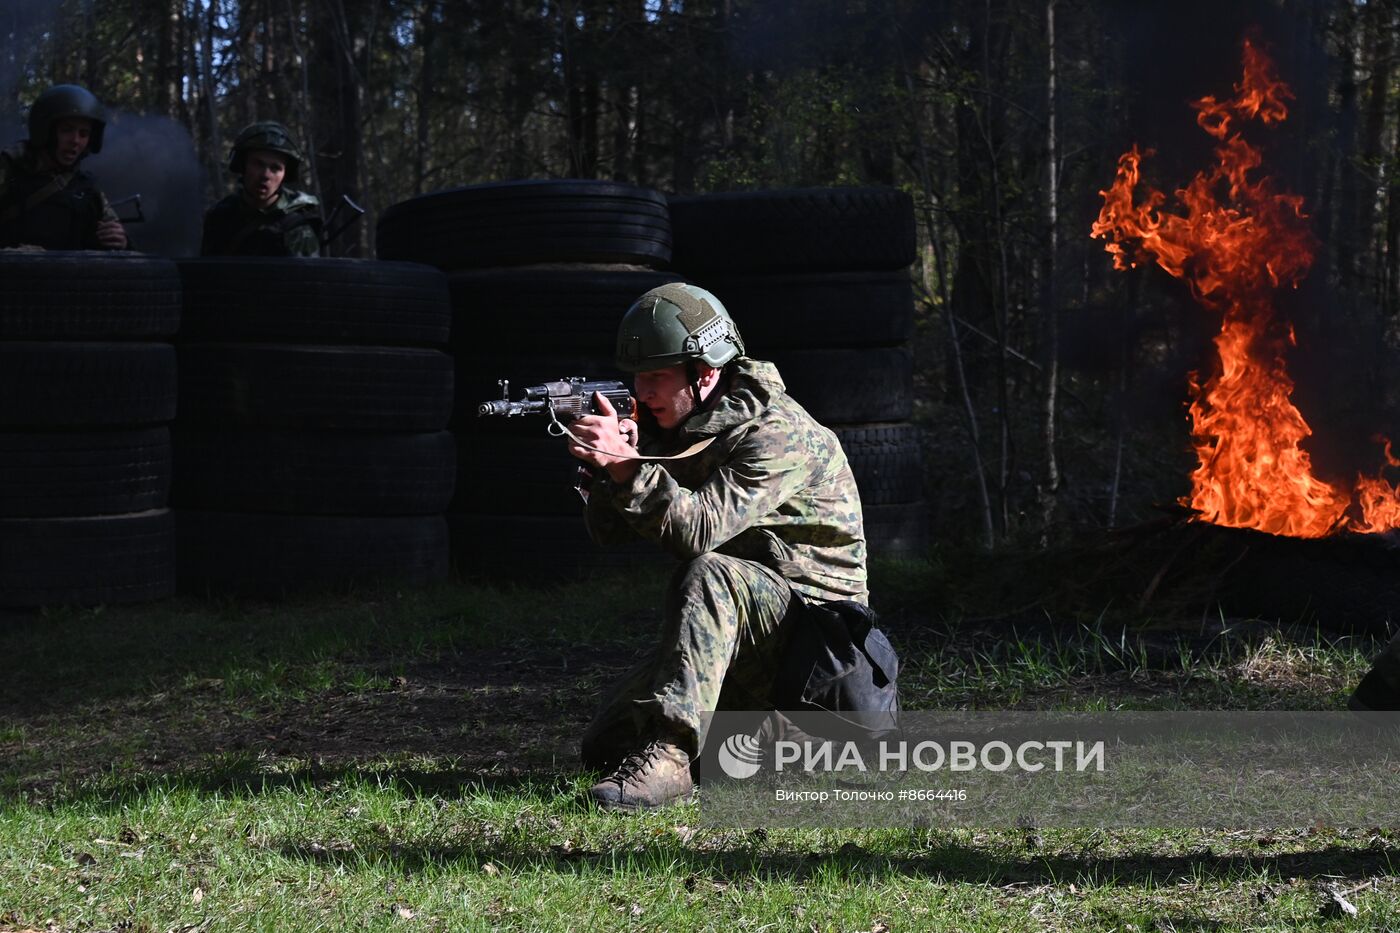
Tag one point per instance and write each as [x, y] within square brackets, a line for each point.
[215, 150]
[1344, 237]
[1380, 40]
[92, 55]
[167, 55]
[1051, 490]
[426, 76]
[957, 376]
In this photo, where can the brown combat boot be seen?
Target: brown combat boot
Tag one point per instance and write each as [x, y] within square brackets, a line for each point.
[656, 776]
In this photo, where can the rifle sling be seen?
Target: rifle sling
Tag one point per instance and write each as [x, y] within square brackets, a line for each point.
[690, 451]
[55, 185]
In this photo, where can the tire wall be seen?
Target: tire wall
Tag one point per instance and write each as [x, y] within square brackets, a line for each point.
[818, 282]
[540, 273]
[87, 393]
[310, 446]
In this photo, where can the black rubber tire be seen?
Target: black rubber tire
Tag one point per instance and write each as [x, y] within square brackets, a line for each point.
[53, 475]
[1346, 582]
[548, 309]
[88, 295]
[369, 389]
[850, 386]
[87, 561]
[887, 461]
[519, 222]
[54, 384]
[316, 474]
[837, 309]
[541, 547]
[272, 555]
[897, 529]
[796, 230]
[320, 301]
[529, 475]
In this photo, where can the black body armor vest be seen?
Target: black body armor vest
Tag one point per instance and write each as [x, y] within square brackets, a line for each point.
[66, 219]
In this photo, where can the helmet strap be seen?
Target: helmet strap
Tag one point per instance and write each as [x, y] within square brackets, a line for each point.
[692, 374]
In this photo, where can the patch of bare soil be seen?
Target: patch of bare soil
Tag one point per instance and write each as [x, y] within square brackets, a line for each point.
[491, 711]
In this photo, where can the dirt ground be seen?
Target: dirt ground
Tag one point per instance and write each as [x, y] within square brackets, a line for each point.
[494, 712]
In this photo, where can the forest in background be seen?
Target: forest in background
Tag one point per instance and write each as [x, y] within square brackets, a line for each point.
[1052, 387]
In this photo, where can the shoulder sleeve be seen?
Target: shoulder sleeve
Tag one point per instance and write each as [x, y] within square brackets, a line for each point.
[304, 239]
[765, 469]
[606, 525]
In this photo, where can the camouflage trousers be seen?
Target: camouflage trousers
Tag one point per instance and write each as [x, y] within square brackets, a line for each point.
[719, 647]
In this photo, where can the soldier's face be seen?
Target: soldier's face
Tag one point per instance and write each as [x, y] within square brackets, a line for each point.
[72, 136]
[666, 393]
[263, 172]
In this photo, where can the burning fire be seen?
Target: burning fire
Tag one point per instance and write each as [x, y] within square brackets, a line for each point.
[1237, 242]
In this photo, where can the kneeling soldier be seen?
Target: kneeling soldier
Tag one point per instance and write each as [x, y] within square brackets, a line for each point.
[764, 517]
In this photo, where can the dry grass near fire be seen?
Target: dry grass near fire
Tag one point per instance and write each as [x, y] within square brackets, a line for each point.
[406, 761]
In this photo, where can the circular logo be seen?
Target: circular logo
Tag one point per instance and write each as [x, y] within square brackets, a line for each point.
[739, 756]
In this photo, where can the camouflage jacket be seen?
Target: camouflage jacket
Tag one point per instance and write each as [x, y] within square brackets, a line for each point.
[774, 487]
[41, 207]
[291, 226]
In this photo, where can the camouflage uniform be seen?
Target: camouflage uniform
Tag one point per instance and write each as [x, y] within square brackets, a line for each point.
[766, 516]
[64, 218]
[290, 226]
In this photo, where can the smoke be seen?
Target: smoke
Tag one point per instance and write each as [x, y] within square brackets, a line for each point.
[154, 156]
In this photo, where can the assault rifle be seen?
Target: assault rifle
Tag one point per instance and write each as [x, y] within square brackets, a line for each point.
[135, 201]
[570, 398]
[334, 230]
[562, 401]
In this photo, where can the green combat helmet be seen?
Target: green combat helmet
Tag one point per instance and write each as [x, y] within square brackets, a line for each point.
[268, 135]
[676, 323]
[66, 100]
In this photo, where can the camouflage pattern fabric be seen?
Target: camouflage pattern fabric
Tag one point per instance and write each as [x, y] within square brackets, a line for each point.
[764, 517]
[289, 227]
[722, 633]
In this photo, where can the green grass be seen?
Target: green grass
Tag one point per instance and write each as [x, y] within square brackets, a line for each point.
[404, 761]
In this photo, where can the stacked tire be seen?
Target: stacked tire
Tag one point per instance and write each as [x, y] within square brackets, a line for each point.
[311, 449]
[818, 282]
[540, 274]
[87, 392]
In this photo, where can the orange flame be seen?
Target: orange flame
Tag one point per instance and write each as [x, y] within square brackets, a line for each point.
[1379, 501]
[1237, 242]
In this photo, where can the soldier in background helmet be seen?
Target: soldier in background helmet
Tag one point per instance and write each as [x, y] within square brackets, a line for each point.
[264, 217]
[46, 200]
[764, 517]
